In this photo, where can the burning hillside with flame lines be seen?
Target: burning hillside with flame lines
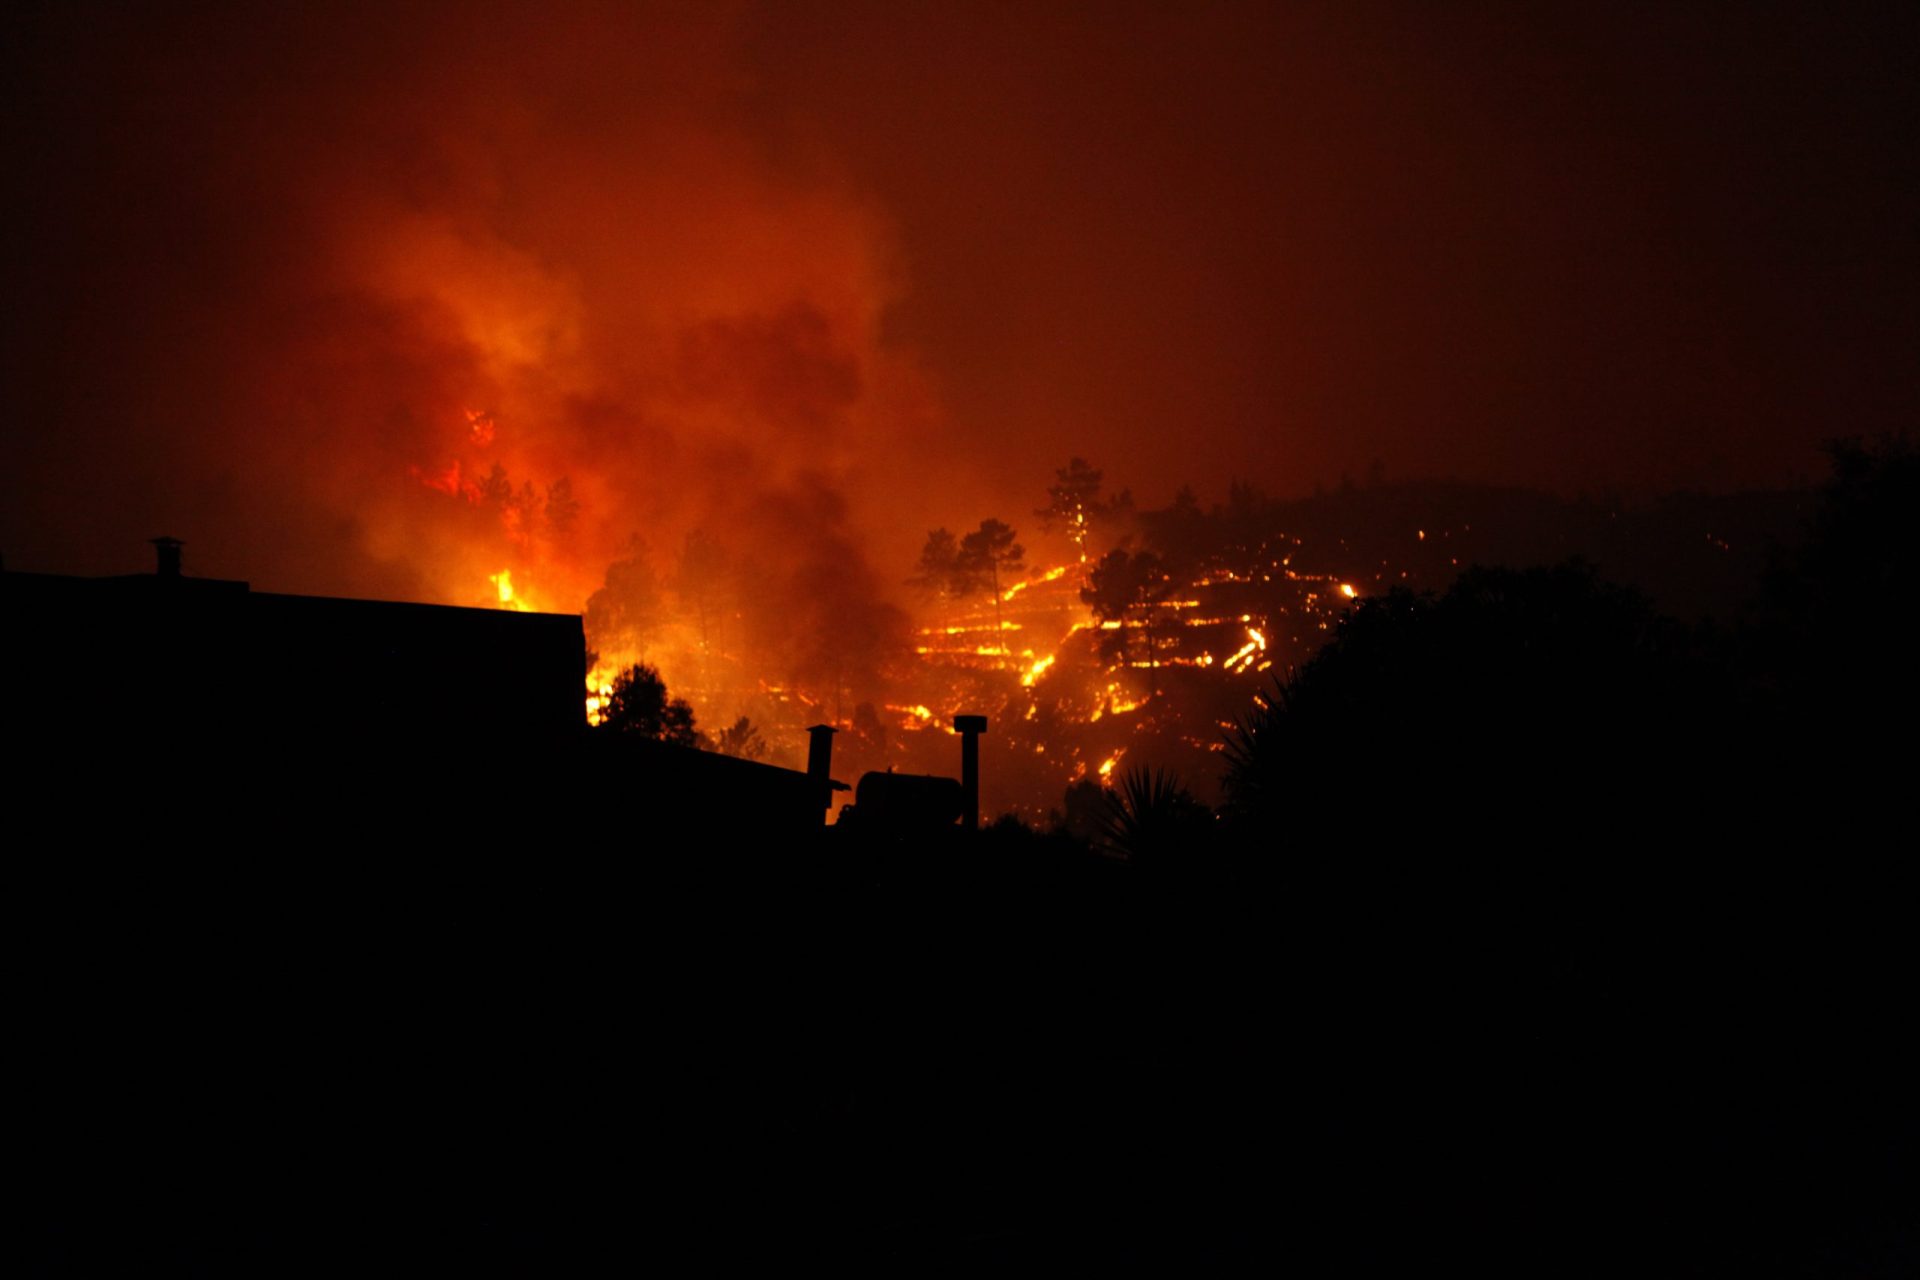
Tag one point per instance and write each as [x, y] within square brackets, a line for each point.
[1093, 635]
[630, 311]
[1143, 644]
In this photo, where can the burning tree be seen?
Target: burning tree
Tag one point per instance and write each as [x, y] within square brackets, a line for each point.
[639, 705]
[983, 554]
[953, 569]
[1073, 500]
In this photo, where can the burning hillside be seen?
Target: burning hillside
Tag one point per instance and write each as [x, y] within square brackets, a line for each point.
[631, 311]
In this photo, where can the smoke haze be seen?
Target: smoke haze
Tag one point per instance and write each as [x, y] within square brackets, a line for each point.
[387, 300]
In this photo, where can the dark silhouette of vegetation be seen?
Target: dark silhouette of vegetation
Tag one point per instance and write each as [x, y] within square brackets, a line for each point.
[1153, 821]
[939, 573]
[956, 568]
[629, 609]
[639, 705]
[1180, 532]
[1072, 499]
[1561, 938]
[987, 552]
[1521, 691]
[1126, 587]
[1083, 812]
[983, 555]
[741, 738]
[1837, 616]
[953, 568]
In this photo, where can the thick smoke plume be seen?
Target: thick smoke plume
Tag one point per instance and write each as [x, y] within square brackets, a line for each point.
[435, 300]
[446, 302]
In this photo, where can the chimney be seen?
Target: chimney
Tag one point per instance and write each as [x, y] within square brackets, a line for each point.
[820, 764]
[169, 552]
[970, 728]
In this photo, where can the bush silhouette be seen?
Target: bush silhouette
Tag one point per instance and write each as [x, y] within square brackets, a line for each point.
[639, 705]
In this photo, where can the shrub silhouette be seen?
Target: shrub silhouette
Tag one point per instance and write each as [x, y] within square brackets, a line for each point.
[1153, 820]
[639, 705]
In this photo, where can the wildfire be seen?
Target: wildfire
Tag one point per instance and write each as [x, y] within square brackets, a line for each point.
[480, 427]
[1008, 625]
[448, 482]
[1256, 644]
[597, 702]
[1115, 700]
[1051, 575]
[1015, 652]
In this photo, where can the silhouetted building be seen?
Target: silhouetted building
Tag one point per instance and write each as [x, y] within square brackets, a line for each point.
[185, 667]
[250, 715]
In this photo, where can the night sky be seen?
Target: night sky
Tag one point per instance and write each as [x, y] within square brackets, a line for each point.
[825, 275]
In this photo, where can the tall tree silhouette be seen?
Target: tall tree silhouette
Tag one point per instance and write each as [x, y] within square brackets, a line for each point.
[1073, 500]
[1124, 587]
[939, 572]
[627, 611]
[984, 553]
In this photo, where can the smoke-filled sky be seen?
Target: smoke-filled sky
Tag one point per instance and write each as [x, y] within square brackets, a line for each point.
[341, 293]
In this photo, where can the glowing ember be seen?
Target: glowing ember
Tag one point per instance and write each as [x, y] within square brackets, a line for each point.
[1037, 670]
[1346, 589]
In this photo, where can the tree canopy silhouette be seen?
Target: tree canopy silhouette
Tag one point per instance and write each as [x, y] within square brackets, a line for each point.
[1124, 587]
[1838, 609]
[938, 571]
[629, 609]
[639, 705]
[987, 551]
[981, 557]
[1073, 502]
[1514, 692]
[742, 738]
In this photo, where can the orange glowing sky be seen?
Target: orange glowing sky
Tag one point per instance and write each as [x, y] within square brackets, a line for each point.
[824, 275]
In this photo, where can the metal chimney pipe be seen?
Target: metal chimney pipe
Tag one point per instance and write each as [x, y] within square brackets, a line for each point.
[169, 553]
[970, 728]
[820, 764]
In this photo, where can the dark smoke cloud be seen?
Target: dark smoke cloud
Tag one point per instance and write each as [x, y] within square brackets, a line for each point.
[709, 263]
[387, 301]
